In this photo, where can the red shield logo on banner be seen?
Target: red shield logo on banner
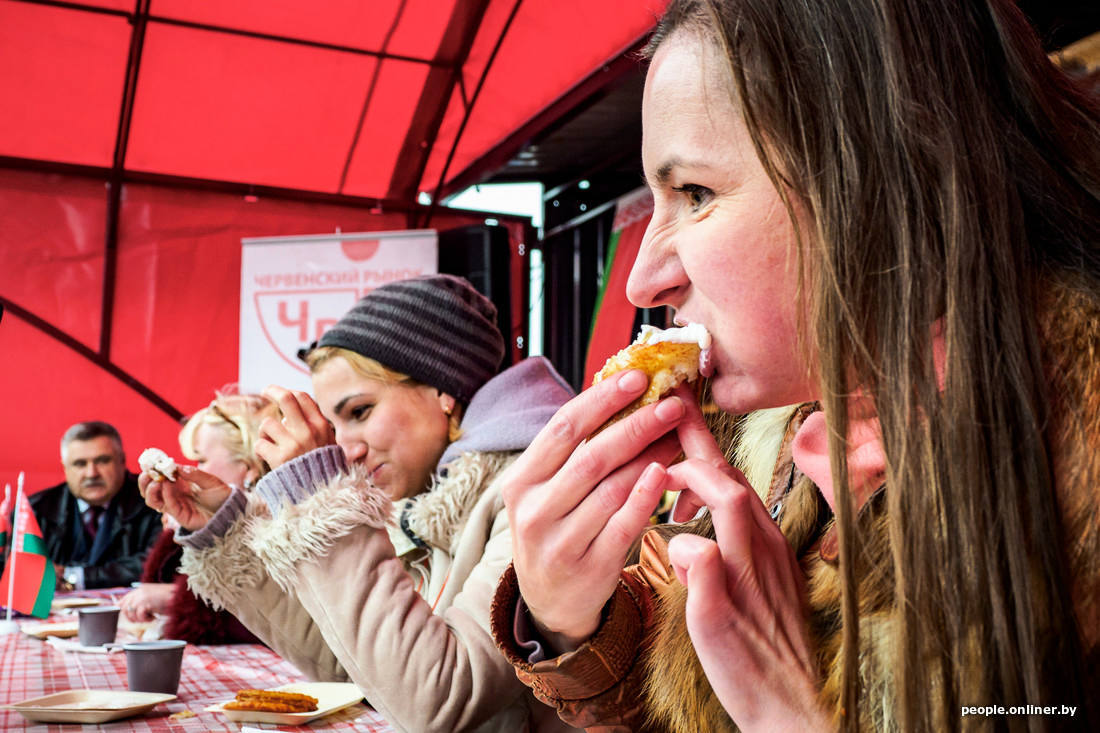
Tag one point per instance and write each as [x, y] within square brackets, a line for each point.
[293, 319]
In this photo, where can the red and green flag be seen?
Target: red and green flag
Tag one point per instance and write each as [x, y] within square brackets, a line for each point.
[29, 577]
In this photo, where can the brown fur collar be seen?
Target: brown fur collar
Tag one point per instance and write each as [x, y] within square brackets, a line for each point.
[678, 696]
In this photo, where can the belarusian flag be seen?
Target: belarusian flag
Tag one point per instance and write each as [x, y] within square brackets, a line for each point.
[34, 576]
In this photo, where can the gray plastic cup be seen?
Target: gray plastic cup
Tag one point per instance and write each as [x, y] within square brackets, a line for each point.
[154, 666]
[97, 625]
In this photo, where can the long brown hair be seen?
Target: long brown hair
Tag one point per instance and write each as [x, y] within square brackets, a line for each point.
[948, 168]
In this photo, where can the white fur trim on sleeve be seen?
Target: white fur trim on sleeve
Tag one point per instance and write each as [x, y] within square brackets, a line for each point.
[221, 572]
[309, 529]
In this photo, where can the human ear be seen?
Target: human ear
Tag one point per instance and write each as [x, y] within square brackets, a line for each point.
[446, 403]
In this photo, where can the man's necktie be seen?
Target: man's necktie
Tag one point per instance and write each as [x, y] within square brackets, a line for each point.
[91, 520]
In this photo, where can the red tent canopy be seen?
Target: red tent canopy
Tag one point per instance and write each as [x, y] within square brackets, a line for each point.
[141, 139]
[379, 99]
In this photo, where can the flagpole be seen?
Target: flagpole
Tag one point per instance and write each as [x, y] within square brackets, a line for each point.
[7, 626]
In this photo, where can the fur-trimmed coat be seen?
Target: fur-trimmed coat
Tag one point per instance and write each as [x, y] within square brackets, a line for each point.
[640, 671]
[188, 617]
[393, 597]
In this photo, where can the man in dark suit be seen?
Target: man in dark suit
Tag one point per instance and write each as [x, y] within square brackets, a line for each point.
[97, 527]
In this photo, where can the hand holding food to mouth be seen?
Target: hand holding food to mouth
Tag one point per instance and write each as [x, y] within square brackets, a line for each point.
[191, 498]
[301, 429]
[578, 498]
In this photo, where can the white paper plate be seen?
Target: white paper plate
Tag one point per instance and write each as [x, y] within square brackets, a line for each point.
[88, 706]
[63, 629]
[331, 697]
[75, 602]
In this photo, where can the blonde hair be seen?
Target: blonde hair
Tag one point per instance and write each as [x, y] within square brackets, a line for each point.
[372, 369]
[238, 417]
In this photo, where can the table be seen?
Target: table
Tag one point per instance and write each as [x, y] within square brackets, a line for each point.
[30, 668]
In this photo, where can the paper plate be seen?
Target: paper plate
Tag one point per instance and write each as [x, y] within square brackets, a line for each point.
[57, 628]
[59, 603]
[331, 697]
[88, 706]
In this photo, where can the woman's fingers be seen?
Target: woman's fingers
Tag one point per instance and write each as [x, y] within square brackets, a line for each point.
[745, 531]
[274, 430]
[173, 505]
[620, 445]
[753, 649]
[602, 528]
[571, 502]
[576, 420]
[615, 512]
[699, 445]
[275, 443]
[143, 482]
[632, 517]
[207, 491]
[154, 495]
[301, 416]
[287, 402]
[730, 503]
[687, 506]
[600, 461]
[762, 575]
[698, 565]
[695, 437]
[202, 479]
[720, 489]
[301, 429]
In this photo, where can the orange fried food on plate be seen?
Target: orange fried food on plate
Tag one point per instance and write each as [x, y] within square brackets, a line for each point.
[272, 701]
[668, 357]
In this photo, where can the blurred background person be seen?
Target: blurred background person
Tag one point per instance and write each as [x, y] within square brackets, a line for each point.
[96, 526]
[220, 440]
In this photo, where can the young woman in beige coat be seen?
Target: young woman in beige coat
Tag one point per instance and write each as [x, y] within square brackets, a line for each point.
[374, 559]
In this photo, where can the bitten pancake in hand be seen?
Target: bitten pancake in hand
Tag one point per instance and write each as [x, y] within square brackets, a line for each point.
[272, 701]
[668, 357]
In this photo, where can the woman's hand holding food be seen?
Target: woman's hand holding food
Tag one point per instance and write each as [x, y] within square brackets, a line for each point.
[576, 504]
[191, 499]
[301, 429]
[745, 608]
[146, 601]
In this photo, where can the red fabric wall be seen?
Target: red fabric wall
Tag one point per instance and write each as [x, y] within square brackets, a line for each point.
[175, 324]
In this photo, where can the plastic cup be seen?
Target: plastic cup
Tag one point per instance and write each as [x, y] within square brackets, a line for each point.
[97, 625]
[154, 666]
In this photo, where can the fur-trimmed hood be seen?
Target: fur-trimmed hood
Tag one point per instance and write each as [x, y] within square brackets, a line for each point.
[503, 418]
[510, 409]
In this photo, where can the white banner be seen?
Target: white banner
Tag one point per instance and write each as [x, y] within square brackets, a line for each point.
[294, 288]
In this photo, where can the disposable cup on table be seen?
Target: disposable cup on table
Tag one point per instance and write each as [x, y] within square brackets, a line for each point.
[154, 666]
[97, 625]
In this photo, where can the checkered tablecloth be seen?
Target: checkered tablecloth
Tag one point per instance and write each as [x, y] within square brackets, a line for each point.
[32, 668]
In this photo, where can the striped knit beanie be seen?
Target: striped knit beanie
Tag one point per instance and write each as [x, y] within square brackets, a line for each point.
[436, 328]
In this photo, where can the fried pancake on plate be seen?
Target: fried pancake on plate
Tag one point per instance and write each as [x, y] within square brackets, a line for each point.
[272, 701]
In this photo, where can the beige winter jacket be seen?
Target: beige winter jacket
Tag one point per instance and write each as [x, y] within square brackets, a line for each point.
[394, 598]
[322, 585]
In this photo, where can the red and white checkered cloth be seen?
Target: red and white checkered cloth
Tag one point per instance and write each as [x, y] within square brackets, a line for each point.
[32, 668]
